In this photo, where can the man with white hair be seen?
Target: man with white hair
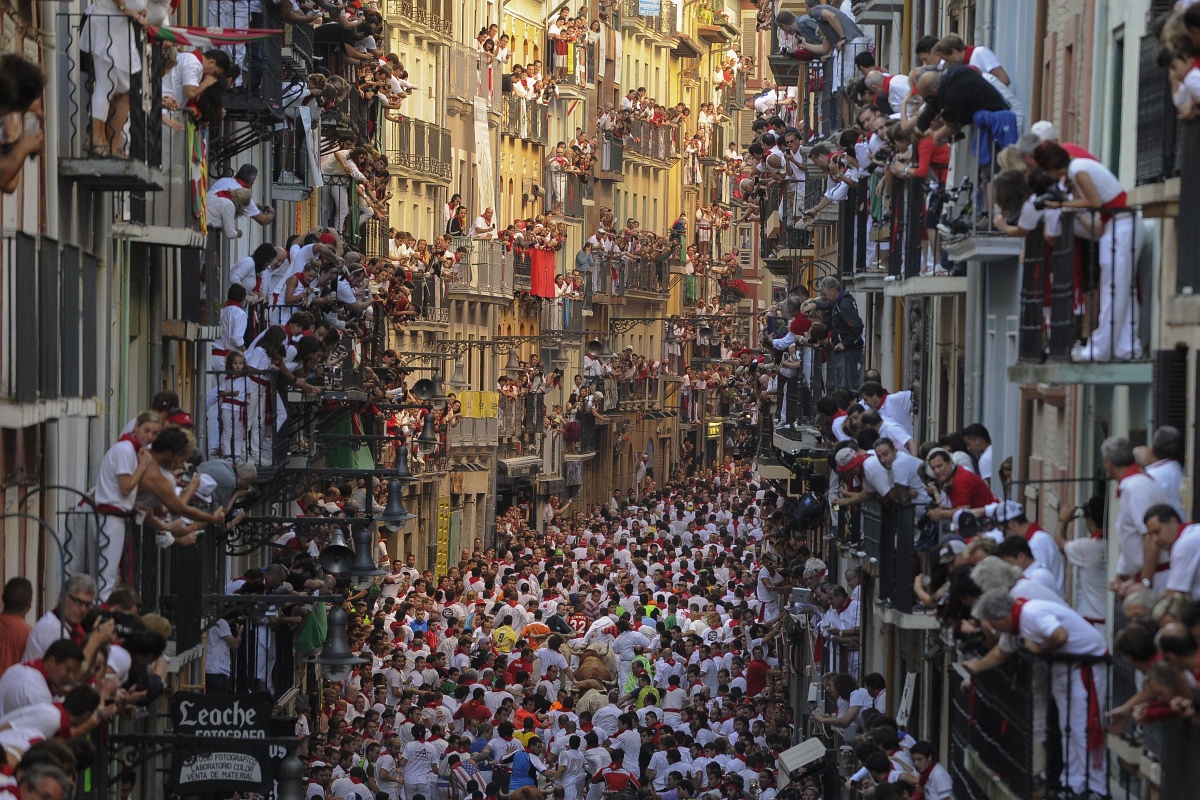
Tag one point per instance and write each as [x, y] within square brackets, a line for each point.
[1049, 627]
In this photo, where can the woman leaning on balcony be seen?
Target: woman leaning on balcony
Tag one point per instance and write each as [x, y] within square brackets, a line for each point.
[1094, 187]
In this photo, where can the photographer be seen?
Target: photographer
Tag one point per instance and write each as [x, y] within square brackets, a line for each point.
[220, 642]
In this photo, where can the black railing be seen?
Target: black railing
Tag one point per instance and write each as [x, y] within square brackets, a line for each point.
[1062, 304]
[656, 142]
[1157, 121]
[525, 119]
[888, 540]
[853, 244]
[1187, 224]
[107, 115]
[991, 728]
[522, 266]
[908, 223]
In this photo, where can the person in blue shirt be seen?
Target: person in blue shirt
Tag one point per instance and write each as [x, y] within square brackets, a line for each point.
[527, 764]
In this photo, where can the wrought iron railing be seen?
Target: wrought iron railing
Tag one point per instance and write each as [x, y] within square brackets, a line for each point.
[657, 142]
[612, 153]
[564, 192]
[1083, 289]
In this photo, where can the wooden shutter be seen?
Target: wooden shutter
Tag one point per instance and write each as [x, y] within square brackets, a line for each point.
[1170, 388]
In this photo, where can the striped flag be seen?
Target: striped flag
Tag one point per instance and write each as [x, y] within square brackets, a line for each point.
[197, 142]
[206, 38]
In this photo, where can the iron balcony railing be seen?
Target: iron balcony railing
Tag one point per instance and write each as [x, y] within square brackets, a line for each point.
[612, 153]
[421, 149]
[853, 244]
[434, 15]
[888, 541]
[664, 23]
[580, 63]
[1187, 225]
[565, 192]
[656, 142]
[733, 95]
[907, 213]
[1075, 288]
[112, 108]
[526, 119]
[511, 417]
[781, 211]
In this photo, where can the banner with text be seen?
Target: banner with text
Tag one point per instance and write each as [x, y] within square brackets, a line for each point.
[237, 758]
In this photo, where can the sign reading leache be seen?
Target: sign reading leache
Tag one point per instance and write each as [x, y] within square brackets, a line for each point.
[238, 757]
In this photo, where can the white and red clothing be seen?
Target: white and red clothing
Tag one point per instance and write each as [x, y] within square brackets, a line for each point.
[24, 685]
[1136, 493]
[898, 407]
[1184, 575]
[1115, 334]
[1168, 474]
[1078, 688]
[1046, 552]
[120, 459]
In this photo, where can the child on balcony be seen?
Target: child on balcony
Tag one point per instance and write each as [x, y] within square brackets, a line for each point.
[1185, 81]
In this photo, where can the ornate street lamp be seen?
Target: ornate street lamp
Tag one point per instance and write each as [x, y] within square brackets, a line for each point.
[337, 660]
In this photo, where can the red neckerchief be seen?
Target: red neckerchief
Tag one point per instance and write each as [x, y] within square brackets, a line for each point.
[1131, 470]
[78, 634]
[847, 605]
[967, 54]
[242, 183]
[233, 303]
[1097, 534]
[129, 437]
[64, 727]
[838, 415]
[1031, 530]
[1015, 615]
[41, 667]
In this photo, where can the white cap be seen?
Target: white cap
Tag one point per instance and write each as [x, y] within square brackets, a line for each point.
[207, 485]
[119, 662]
[1004, 510]
[1044, 130]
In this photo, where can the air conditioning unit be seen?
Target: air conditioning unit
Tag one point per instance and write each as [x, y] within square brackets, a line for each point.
[537, 190]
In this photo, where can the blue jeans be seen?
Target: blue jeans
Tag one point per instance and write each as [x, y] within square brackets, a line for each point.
[846, 368]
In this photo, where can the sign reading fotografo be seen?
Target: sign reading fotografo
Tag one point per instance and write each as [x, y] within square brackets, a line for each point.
[239, 758]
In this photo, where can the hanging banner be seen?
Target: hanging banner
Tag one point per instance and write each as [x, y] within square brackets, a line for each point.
[649, 8]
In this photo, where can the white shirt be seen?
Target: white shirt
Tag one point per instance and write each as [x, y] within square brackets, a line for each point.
[1046, 552]
[1168, 474]
[893, 432]
[1091, 581]
[229, 185]
[1185, 563]
[121, 459]
[898, 408]
[419, 759]
[233, 330]
[1041, 618]
[243, 273]
[23, 685]
[216, 649]
[1135, 494]
[985, 464]
[46, 631]
[938, 786]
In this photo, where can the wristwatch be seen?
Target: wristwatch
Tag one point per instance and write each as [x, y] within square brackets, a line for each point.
[1146, 582]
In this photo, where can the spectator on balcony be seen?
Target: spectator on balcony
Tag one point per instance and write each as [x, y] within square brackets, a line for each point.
[952, 50]
[193, 74]
[979, 446]
[1096, 188]
[840, 32]
[21, 117]
[845, 331]
[1016, 551]
[110, 35]
[1182, 543]
[457, 226]
[1089, 555]
[895, 406]
[954, 97]
[52, 674]
[958, 487]
[892, 88]
[64, 621]
[14, 630]
[340, 170]
[484, 226]
[1163, 461]
[1079, 688]
[1139, 563]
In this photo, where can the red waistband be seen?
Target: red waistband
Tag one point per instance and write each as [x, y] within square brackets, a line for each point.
[233, 402]
[1163, 567]
[111, 510]
[259, 381]
[216, 351]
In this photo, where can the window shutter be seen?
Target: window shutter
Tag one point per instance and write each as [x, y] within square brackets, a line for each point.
[749, 34]
[1170, 388]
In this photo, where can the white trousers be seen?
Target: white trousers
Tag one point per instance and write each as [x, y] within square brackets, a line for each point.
[1115, 336]
[110, 546]
[1082, 769]
[231, 14]
[234, 420]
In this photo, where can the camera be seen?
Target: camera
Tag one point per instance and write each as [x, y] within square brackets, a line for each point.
[1054, 195]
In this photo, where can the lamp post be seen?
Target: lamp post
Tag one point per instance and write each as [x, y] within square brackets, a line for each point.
[337, 660]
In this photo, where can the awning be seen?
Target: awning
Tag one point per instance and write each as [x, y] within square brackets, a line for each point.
[521, 467]
[772, 468]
